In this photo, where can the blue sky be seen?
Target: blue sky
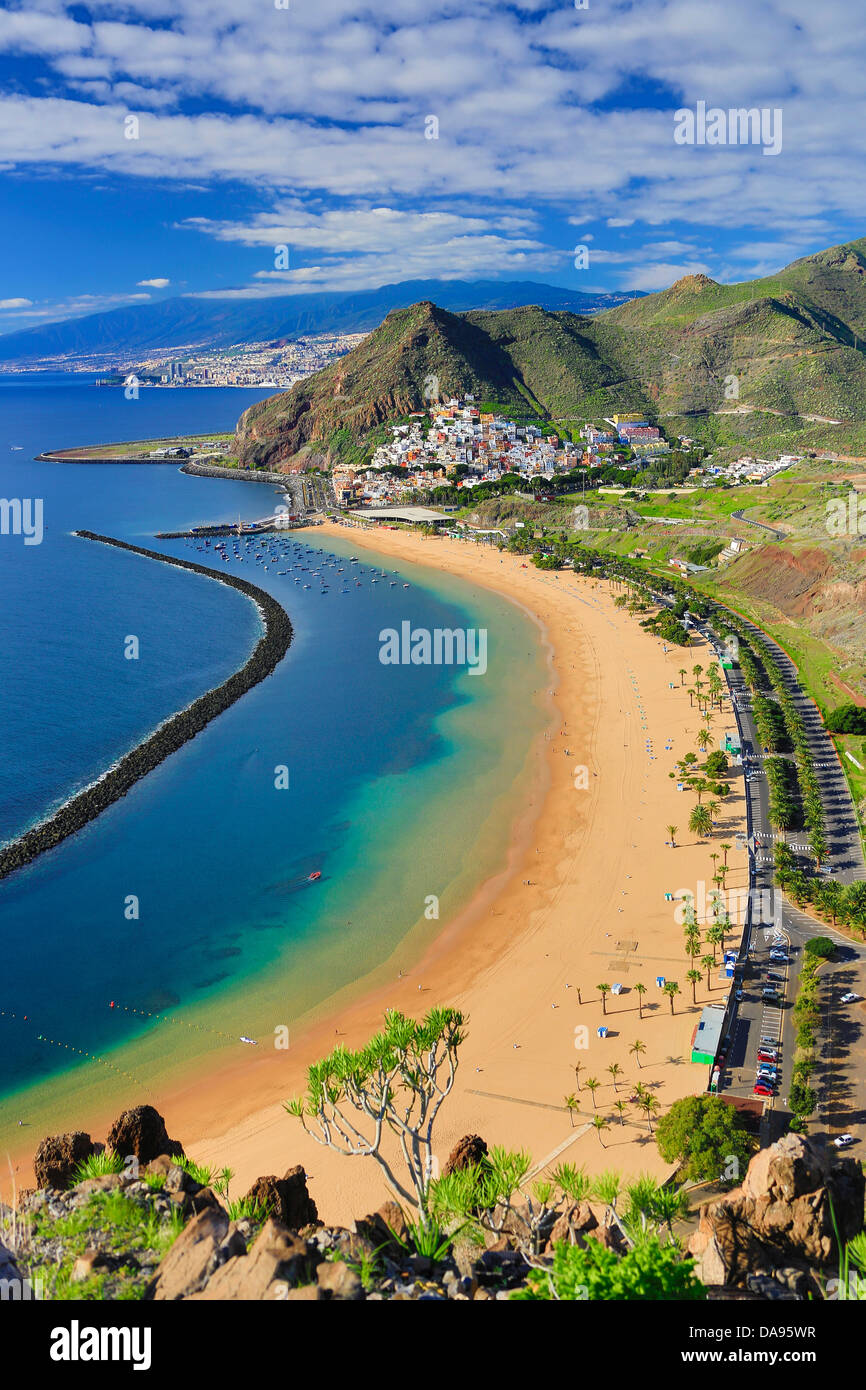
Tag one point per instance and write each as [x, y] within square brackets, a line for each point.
[307, 126]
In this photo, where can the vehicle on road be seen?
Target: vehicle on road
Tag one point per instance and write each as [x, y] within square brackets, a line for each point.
[843, 1140]
[773, 975]
[739, 996]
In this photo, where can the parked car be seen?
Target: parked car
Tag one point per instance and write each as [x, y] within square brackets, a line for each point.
[771, 992]
[850, 997]
[761, 1089]
[775, 975]
[739, 996]
[843, 1140]
[770, 1057]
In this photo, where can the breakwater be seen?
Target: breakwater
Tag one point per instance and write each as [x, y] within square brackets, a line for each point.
[237, 475]
[173, 733]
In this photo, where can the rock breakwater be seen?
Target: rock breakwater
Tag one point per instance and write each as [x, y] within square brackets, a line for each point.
[171, 735]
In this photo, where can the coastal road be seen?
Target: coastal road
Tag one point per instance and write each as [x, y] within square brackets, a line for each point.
[841, 1074]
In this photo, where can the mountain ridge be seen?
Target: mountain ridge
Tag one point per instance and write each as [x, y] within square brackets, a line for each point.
[184, 322]
[787, 344]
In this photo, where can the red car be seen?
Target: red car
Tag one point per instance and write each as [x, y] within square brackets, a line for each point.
[764, 1056]
[761, 1089]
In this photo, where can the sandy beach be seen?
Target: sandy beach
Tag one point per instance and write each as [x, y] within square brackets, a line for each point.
[581, 901]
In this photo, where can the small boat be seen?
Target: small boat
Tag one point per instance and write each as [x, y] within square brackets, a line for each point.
[313, 876]
[252, 1042]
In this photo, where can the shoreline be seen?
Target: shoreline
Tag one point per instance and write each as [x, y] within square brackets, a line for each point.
[515, 956]
[169, 736]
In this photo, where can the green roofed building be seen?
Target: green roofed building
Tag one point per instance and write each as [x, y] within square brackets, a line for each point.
[707, 1035]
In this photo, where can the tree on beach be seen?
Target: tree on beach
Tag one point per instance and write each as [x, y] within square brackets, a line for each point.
[640, 991]
[621, 1106]
[592, 1086]
[694, 978]
[603, 990]
[398, 1082]
[682, 674]
[636, 1049]
[578, 1068]
[649, 1105]
[600, 1123]
[709, 963]
[715, 936]
[702, 739]
[572, 1107]
[704, 1134]
[614, 1069]
[672, 830]
[726, 851]
[701, 822]
[671, 989]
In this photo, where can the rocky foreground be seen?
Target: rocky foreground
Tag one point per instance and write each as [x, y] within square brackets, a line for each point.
[155, 1231]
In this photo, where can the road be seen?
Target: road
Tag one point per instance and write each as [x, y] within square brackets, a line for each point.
[840, 1076]
[747, 521]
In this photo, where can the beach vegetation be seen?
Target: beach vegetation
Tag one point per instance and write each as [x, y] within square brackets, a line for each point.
[395, 1085]
[502, 1193]
[703, 1134]
[97, 1165]
[650, 1272]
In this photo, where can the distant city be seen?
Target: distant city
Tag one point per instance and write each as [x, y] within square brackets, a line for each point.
[265, 364]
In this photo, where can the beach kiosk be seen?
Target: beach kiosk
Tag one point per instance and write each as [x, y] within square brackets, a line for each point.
[707, 1035]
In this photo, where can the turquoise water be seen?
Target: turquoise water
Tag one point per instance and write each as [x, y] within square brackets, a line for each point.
[191, 897]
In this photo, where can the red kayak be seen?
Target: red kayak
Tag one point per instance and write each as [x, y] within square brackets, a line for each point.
[313, 877]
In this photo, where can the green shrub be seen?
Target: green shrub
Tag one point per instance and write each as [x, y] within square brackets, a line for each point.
[651, 1272]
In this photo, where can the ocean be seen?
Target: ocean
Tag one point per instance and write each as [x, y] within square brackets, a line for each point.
[185, 915]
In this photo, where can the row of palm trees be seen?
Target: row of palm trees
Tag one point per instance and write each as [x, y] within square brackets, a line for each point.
[670, 988]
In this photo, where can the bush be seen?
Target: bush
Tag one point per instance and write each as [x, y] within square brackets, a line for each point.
[847, 719]
[651, 1272]
[820, 946]
[703, 1133]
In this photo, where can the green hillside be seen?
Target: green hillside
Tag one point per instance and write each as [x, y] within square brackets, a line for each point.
[772, 352]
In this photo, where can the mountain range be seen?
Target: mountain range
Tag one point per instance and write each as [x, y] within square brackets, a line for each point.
[186, 322]
[790, 344]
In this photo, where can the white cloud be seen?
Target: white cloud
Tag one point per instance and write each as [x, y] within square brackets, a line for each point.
[15, 303]
[157, 284]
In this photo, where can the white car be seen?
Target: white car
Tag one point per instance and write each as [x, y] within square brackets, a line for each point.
[850, 997]
[843, 1140]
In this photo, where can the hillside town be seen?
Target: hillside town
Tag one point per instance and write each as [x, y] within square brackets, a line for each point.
[459, 444]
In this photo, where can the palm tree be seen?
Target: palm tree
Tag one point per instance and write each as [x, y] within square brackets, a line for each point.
[592, 1086]
[637, 1048]
[715, 937]
[578, 1068]
[621, 1106]
[671, 989]
[694, 978]
[614, 1070]
[672, 830]
[649, 1105]
[701, 822]
[682, 675]
[640, 991]
[702, 739]
[603, 990]
[600, 1123]
[725, 849]
[708, 962]
[572, 1106]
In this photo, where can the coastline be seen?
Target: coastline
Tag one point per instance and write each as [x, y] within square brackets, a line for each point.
[514, 958]
[79, 810]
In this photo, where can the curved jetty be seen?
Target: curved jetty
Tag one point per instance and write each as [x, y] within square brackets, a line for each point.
[177, 730]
